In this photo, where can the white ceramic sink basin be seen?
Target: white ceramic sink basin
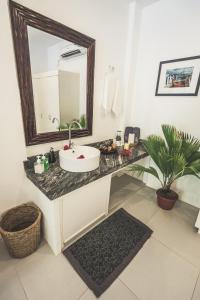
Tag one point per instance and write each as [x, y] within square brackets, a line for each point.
[70, 159]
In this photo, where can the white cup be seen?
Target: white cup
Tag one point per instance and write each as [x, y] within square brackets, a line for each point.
[131, 138]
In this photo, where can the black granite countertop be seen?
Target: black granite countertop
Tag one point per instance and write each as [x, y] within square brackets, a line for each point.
[57, 182]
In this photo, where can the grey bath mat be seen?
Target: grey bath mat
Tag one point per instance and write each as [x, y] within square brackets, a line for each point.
[102, 253]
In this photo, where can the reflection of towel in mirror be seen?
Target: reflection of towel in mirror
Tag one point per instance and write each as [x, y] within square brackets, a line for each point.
[111, 93]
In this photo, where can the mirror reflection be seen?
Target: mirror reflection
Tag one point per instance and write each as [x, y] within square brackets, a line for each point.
[59, 78]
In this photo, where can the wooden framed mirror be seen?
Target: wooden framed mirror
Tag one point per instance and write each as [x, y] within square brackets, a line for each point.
[55, 66]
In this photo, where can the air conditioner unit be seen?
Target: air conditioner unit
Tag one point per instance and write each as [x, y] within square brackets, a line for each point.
[72, 51]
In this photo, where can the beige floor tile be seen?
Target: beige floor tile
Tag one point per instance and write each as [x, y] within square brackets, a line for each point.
[186, 211]
[10, 286]
[122, 189]
[140, 203]
[196, 295]
[119, 182]
[117, 291]
[46, 276]
[141, 208]
[147, 193]
[6, 262]
[176, 230]
[166, 268]
[157, 273]
[5, 259]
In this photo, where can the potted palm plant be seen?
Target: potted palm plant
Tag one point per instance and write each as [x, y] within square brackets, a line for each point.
[176, 155]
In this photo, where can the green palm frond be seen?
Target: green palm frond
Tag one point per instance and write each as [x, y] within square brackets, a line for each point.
[140, 170]
[172, 138]
[83, 121]
[154, 145]
[190, 145]
[175, 156]
[194, 156]
[193, 169]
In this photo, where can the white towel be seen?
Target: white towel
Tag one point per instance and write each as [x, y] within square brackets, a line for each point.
[111, 88]
[116, 106]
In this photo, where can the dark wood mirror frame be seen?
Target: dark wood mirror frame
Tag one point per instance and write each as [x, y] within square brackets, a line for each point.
[21, 17]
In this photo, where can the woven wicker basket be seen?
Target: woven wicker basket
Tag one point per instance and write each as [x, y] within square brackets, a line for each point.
[20, 228]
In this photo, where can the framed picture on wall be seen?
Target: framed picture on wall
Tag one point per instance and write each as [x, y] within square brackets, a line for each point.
[179, 77]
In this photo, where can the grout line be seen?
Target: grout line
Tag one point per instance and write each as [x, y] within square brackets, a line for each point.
[175, 252]
[82, 294]
[127, 287]
[18, 276]
[154, 214]
[127, 198]
[121, 202]
[198, 277]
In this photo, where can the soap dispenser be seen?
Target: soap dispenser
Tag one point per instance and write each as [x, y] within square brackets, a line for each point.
[51, 156]
[38, 166]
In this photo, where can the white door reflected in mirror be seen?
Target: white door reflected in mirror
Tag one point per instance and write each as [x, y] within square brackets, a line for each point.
[59, 78]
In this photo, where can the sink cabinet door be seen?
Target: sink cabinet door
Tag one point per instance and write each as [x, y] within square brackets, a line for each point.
[84, 206]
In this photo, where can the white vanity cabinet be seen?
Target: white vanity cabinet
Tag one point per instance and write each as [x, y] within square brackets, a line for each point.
[84, 206]
[67, 216]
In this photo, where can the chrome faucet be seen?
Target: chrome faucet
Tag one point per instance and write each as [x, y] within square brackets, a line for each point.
[70, 135]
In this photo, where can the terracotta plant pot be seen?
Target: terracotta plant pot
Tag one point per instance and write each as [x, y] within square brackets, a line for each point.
[166, 200]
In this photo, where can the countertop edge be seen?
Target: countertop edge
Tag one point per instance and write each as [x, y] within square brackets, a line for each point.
[143, 155]
[56, 184]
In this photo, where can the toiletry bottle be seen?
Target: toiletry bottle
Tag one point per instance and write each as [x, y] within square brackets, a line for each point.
[118, 138]
[45, 162]
[42, 161]
[38, 166]
[131, 139]
[126, 146]
[51, 156]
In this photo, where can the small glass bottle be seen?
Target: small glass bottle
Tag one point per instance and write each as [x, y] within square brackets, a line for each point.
[38, 166]
[119, 138]
[45, 163]
[51, 156]
[131, 138]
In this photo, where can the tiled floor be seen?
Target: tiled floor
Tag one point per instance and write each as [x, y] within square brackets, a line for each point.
[166, 268]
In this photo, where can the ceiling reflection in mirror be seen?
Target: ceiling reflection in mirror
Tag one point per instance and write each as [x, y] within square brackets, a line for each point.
[59, 79]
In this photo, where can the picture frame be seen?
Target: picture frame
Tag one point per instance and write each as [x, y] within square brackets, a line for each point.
[179, 77]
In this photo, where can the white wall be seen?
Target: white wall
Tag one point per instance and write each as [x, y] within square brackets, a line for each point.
[104, 21]
[164, 30]
[12, 149]
[167, 30]
[38, 57]
[39, 44]
[54, 52]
